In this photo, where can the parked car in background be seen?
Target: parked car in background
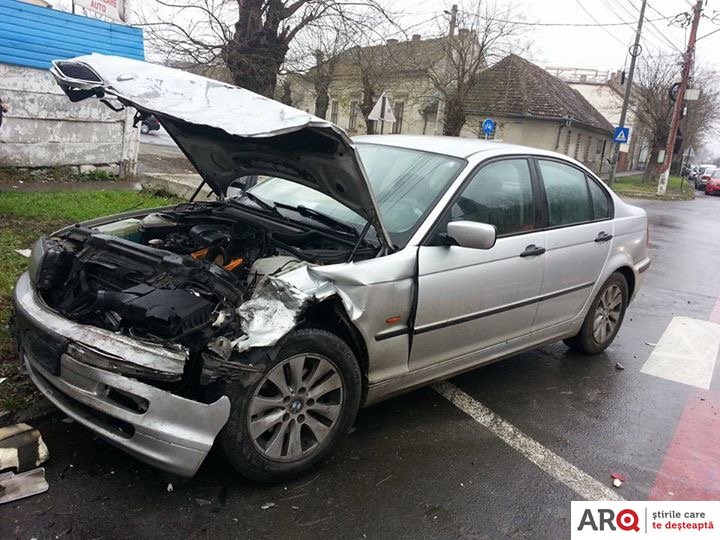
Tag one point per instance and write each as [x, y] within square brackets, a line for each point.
[712, 186]
[360, 269]
[149, 124]
[703, 174]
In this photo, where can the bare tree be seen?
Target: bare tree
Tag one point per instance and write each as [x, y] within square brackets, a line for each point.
[699, 124]
[486, 32]
[653, 107]
[250, 38]
[324, 45]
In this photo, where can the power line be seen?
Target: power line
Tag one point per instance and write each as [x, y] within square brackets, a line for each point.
[605, 29]
[655, 31]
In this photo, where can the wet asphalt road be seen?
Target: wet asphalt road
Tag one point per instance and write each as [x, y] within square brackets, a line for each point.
[415, 466]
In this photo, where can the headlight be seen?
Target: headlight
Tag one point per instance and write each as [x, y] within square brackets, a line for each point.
[49, 263]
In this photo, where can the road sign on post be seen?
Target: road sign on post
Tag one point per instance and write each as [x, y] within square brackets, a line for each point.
[622, 135]
[382, 112]
[488, 127]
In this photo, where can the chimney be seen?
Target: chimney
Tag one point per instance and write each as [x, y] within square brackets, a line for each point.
[392, 41]
[416, 37]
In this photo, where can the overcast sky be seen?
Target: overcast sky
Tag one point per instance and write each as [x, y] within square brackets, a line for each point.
[602, 48]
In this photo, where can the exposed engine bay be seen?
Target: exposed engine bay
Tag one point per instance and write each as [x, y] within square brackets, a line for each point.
[178, 276]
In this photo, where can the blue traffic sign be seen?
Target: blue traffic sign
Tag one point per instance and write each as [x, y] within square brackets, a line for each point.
[622, 135]
[488, 126]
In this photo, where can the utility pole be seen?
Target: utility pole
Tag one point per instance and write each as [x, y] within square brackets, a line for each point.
[440, 117]
[453, 19]
[634, 53]
[679, 102]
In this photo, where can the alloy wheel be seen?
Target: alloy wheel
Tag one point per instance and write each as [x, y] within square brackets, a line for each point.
[607, 314]
[295, 407]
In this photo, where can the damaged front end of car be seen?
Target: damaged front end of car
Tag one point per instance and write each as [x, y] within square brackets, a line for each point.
[135, 326]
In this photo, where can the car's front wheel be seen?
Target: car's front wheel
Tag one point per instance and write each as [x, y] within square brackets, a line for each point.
[604, 318]
[290, 420]
[144, 129]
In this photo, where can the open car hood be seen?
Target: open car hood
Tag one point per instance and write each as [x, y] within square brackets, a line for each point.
[228, 132]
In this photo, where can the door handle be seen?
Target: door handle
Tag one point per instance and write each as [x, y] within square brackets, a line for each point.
[603, 237]
[532, 251]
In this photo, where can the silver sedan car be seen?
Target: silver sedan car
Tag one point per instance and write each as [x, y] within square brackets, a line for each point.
[328, 274]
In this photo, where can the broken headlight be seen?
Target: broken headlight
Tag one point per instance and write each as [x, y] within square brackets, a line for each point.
[48, 264]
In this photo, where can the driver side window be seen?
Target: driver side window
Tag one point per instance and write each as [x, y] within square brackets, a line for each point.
[499, 194]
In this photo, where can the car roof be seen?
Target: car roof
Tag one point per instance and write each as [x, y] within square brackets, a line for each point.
[451, 146]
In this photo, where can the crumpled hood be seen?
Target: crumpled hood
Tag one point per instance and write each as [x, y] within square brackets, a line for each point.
[228, 132]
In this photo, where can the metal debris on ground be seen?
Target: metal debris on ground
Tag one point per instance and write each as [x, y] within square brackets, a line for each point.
[22, 450]
[618, 476]
[267, 505]
[619, 366]
[617, 483]
[23, 253]
[18, 486]
[170, 488]
[3, 379]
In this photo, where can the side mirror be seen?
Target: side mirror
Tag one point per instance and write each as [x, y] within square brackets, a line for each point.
[240, 185]
[471, 234]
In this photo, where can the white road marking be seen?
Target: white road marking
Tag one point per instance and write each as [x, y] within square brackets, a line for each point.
[686, 352]
[563, 471]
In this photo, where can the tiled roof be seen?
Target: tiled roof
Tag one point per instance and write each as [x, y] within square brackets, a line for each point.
[516, 87]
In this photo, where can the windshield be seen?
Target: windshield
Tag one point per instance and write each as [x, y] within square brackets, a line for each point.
[407, 184]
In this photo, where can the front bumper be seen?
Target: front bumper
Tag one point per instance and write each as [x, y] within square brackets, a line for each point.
[167, 431]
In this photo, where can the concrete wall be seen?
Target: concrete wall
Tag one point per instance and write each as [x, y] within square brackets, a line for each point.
[43, 128]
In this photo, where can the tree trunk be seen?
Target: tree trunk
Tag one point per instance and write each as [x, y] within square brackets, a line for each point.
[255, 65]
[322, 101]
[257, 48]
[650, 174]
[366, 106]
[454, 117]
[286, 97]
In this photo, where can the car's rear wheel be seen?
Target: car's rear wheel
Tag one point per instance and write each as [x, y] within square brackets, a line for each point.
[604, 318]
[290, 420]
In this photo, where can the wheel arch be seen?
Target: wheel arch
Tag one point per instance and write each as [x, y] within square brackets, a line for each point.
[629, 274]
[330, 315]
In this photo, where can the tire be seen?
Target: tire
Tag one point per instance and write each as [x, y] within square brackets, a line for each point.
[144, 129]
[594, 339]
[267, 423]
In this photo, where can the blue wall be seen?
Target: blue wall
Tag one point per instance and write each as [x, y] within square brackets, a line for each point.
[32, 36]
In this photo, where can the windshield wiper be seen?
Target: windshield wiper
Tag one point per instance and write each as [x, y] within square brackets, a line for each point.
[261, 203]
[319, 217]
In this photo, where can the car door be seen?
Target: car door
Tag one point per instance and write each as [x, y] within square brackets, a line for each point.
[578, 239]
[469, 299]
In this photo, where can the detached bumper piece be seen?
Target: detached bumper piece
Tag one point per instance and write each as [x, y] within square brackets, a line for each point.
[167, 431]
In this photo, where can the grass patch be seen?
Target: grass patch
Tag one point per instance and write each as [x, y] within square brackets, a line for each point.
[632, 186]
[24, 218]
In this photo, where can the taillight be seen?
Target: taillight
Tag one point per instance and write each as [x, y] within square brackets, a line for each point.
[705, 177]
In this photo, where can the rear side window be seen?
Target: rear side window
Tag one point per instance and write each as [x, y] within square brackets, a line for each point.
[499, 194]
[600, 201]
[716, 173]
[567, 194]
